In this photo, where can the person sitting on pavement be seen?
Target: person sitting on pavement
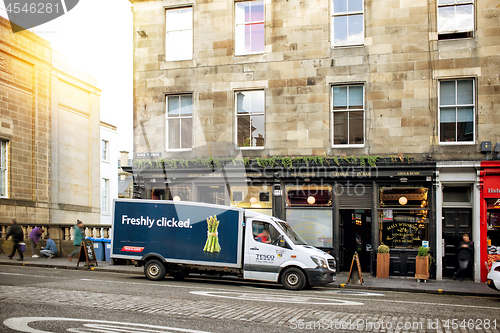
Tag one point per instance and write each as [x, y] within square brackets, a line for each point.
[34, 238]
[50, 248]
[264, 237]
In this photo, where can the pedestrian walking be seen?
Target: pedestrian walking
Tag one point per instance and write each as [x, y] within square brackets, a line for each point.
[465, 255]
[79, 236]
[50, 248]
[34, 238]
[17, 234]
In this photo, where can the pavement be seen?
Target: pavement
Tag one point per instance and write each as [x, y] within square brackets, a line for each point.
[401, 284]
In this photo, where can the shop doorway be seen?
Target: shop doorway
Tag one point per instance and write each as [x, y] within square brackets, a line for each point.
[456, 222]
[212, 194]
[355, 236]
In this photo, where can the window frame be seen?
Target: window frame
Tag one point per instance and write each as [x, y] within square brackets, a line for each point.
[249, 23]
[332, 112]
[4, 167]
[346, 13]
[104, 196]
[263, 114]
[167, 9]
[167, 129]
[474, 108]
[457, 3]
[104, 150]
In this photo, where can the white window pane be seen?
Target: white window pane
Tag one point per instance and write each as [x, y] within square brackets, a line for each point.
[448, 115]
[174, 133]
[242, 11]
[179, 45]
[257, 129]
[179, 19]
[339, 6]
[186, 47]
[356, 97]
[257, 12]
[446, 16]
[186, 19]
[257, 101]
[186, 105]
[465, 115]
[257, 37]
[248, 40]
[464, 18]
[355, 5]
[465, 92]
[240, 39]
[355, 29]
[447, 93]
[173, 19]
[339, 98]
[340, 30]
[240, 98]
[173, 106]
[445, 2]
[186, 132]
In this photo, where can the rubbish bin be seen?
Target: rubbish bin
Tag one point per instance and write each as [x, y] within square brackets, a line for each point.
[98, 248]
[107, 249]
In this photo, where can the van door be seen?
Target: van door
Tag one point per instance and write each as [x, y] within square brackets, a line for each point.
[264, 253]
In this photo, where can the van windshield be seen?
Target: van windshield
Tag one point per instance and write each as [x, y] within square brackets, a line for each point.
[294, 237]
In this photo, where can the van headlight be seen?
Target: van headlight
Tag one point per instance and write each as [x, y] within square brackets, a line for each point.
[320, 262]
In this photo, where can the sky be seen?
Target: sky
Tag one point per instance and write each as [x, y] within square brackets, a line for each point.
[96, 37]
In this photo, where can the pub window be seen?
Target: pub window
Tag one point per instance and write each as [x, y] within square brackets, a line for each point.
[308, 195]
[256, 198]
[313, 225]
[172, 192]
[403, 217]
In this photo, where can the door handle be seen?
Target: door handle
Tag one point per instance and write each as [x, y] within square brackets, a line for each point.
[254, 248]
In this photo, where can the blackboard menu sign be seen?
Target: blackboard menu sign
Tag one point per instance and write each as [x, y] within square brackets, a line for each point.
[87, 253]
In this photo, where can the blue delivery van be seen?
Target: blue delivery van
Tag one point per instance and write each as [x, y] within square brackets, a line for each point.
[178, 238]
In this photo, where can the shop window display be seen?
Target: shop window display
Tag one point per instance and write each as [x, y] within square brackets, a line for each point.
[493, 224]
[403, 217]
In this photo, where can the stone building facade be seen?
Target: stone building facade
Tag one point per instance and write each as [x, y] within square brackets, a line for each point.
[49, 115]
[260, 79]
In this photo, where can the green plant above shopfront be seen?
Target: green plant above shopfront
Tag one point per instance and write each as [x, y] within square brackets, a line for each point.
[287, 162]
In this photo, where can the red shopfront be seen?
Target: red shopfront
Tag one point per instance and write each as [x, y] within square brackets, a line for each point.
[490, 215]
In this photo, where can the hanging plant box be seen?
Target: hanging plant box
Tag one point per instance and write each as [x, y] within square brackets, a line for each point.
[422, 268]
[383, 261]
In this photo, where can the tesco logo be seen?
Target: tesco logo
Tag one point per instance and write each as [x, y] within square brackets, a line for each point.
[132, 249]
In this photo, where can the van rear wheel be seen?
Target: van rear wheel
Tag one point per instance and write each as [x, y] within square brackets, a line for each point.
[293, 279]
[155, 270]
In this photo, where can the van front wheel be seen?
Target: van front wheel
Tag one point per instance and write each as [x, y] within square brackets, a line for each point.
[293, 279]
[154, 270]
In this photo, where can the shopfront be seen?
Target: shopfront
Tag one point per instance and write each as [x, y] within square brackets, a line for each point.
[341, 210]
[490, 215]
